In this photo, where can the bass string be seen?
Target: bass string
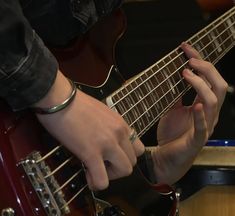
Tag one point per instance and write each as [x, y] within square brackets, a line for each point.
[180, 54]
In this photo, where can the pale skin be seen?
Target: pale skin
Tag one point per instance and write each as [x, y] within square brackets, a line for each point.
[96, 134]
[179, 145]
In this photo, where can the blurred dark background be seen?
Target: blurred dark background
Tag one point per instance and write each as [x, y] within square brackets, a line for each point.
[156, 27]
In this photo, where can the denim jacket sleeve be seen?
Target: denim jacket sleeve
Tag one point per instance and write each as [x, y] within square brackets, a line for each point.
[27, 68]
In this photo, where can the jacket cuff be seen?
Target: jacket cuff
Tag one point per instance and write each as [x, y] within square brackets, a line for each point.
[33, 79]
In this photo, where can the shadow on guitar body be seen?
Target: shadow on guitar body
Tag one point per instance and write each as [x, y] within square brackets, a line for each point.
[40, 177]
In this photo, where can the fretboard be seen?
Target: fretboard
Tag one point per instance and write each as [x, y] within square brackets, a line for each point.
[149, 95]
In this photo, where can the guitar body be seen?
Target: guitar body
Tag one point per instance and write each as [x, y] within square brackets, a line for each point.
[28, 183]
[21, 135]
[215, 5]
[40, 177]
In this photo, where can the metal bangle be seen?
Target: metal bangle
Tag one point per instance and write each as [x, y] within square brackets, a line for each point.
[57, 108]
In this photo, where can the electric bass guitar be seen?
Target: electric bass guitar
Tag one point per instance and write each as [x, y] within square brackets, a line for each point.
[40, 177]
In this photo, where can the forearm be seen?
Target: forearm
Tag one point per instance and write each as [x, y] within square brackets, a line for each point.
[27, 68]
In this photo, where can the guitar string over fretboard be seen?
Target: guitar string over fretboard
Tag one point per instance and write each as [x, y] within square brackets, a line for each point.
[149, 95]
[141, 102]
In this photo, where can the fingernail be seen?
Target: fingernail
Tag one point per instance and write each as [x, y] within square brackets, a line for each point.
[188, 72]
[185, 44]
[192, 60]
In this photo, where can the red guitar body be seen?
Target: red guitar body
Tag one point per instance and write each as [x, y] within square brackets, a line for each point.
[88, 60]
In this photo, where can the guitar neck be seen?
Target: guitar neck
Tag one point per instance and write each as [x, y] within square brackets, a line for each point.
[149, 95]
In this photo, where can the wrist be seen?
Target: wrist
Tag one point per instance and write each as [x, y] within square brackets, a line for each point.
[60, 95]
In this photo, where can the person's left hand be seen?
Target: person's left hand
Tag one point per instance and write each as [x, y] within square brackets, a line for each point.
[184, 130]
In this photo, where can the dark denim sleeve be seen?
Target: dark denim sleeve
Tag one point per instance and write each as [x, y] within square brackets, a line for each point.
[27, 68]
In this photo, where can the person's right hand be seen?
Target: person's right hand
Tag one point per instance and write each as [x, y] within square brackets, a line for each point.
[93, 132]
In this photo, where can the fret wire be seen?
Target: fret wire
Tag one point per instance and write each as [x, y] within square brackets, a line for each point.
[148, 89]
[121, 107]
[68, 181]
[180, 52]
[154, 95]
[162, 96]
[220, 20]
[80, 191]
[212, 28]
[129, 102]
[159, 100]
[165, 75]
[218, 58]
[169, 69]
[167, 108]
[156, 92]
[178, 76]
[170, 81]
[146, 104]
[137, 96]
[220, 44]
[221, 35]
[133, 89]
[163, 111]
[159, 85]
[205, 46]
[227, 33]
[135, 112]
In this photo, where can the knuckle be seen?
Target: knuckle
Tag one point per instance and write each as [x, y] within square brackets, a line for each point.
[139, 148]
[120, 129]
[224, 86]
[201, 82]
[86, 157]
[103, 141]
[128, 170]
[214, 102]
[207, 65]
[134, 161]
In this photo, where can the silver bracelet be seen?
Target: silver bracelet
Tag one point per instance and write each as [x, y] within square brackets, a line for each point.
[57, 108]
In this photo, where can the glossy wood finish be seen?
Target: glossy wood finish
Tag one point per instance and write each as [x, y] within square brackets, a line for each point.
[11, 182]
[88, 60]
[21, 134]
[215, 5]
